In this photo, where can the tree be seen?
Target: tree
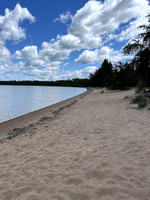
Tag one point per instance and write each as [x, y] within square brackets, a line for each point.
[106, 73]
[102, 76]
[124, 76]
[141, 48]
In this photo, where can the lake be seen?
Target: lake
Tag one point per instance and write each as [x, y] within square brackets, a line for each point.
[16, 101]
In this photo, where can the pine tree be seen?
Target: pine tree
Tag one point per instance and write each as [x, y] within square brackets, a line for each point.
[141, 48]
[103, 76]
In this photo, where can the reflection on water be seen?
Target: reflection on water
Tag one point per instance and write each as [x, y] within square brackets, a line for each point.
[19, 100]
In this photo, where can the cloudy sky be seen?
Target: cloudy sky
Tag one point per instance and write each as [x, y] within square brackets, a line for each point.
[63, 39]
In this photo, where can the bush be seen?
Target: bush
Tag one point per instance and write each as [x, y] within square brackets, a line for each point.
[141, 101]
[140, 87]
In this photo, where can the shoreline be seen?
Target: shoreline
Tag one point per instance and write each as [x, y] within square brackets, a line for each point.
[95, 146]
[21, 123]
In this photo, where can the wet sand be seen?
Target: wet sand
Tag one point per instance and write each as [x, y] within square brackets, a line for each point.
[95, 146]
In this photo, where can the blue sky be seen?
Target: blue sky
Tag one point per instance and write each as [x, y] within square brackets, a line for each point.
[45, 40]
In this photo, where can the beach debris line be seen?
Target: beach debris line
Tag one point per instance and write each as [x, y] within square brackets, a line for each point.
[17, 131]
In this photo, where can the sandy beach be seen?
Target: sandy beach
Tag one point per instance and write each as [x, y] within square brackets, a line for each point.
[95, 146]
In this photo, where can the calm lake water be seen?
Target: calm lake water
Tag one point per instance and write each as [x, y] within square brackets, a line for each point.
[16, 101]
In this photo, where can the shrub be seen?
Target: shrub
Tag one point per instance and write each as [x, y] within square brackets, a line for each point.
[141, 101]
[140, 87]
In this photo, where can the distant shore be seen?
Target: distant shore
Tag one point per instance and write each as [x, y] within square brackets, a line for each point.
[90, 147]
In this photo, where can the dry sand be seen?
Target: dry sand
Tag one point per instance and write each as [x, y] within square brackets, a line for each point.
[94, 147]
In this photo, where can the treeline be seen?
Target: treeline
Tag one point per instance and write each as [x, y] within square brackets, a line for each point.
[70, 83]
[133, 73]
[119, 76]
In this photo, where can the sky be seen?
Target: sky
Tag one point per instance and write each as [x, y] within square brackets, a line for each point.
[63, 39]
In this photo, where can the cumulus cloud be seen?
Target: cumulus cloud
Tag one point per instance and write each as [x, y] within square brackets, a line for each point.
[4, 55]
[131, 31]
[83, 73]
[92, 23]
[48, 73]
[87, 57]
[96, 19]
[59, 49]
[30, 55]
[28, 52]
[10, 24]
[51, 73]
[98, 55]
[64, 18]
[70, 42]
[53, 52]
[31, 60]
[10, 29]
[92, 26]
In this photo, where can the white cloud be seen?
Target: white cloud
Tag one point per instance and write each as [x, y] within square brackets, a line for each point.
[47, 73]
[111, 54]
[83, 73]
[28, 52]
[65, 64]
[6, 64]
[32, 60]
[141, 10]
[53, 51]
[70, 42]
[59, 49]
[64, 18]
[89, 26]
[92, 26]
[4, 55]
[98, 55]
[97, 19]
[51, 54]
[30, 55]
[10, 24]
[10, 29]
[87, 57]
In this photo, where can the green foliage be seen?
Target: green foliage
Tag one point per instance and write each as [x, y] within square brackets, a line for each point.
[102, 76]
[141, 48]
[121, 76]
[141, 101]
[70, 83]
[124, 76]
[140, 87]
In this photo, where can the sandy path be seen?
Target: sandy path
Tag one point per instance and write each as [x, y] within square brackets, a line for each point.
[97, 149]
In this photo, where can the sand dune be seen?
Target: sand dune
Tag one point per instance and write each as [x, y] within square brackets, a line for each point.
[96, 148]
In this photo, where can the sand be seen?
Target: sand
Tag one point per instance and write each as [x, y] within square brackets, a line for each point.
[93, 147]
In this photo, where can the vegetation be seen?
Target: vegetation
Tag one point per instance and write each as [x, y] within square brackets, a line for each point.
[103, 76]
[140, 87]
[129, 74]
[140, 100]
[121, 76]
[70, 83]
[141, 48]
